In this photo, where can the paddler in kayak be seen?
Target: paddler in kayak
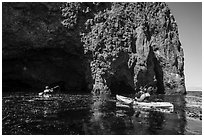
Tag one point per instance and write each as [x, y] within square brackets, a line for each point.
[47, 90]
[143, 94]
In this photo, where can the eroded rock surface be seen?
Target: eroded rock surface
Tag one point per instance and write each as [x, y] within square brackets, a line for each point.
[105, 47]
[133, 45]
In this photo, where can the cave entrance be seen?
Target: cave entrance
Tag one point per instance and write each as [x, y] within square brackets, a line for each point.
[159, 76]
[146, 77]
[120, 87]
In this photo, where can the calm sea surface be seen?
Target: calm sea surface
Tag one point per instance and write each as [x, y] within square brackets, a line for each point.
[27, 113]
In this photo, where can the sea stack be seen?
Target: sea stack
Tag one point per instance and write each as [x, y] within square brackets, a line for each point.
[134, 45]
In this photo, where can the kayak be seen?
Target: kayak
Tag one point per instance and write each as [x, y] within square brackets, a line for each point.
[159, 106]
[48, 92]
[42, 94]
[125, 100]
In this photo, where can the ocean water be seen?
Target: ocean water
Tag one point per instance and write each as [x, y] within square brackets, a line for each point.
[85, 114]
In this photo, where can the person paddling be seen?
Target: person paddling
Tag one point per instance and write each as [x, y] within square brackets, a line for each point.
[144, 94]
[47, 90]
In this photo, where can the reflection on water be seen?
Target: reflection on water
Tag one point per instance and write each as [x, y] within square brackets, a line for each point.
[87, 114]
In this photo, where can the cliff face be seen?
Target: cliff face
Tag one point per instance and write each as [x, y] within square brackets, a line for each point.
[134, 45]
[38, 50]
[107, 47]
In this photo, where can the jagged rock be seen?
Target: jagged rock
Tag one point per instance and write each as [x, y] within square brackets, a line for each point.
[115, 47]
[139, 45]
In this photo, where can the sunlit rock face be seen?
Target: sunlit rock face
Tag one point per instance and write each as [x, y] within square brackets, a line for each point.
[133, 45]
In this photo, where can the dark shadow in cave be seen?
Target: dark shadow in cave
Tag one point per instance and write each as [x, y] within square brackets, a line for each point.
[146, 78]
[159, 74]
[120, 87]
[122, 82]
[37, 68]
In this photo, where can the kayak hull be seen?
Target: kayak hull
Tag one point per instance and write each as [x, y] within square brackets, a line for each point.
[159, 106]
[123, 99]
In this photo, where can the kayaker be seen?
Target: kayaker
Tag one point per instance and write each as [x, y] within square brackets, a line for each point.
[143, 94]
[47, 90]
[143, 97]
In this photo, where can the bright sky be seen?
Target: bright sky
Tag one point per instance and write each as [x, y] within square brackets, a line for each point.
[189, 19]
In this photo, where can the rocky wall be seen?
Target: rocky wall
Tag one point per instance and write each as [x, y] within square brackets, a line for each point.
[38, 50]
[103, 47]
[135, 45]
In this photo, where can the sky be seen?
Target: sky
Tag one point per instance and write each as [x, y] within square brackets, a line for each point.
[188, 16]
